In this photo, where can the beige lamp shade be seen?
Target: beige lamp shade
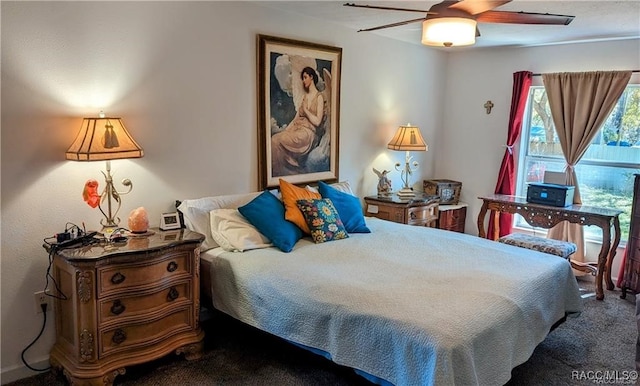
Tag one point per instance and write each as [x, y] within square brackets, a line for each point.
[103, 139]
[408, 138]
[449, 31]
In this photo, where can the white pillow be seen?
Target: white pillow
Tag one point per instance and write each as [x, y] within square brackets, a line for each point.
[196, 213]
[234, 233]
[342, 186]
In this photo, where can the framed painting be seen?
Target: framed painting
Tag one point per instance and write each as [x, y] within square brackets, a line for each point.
[298, 111]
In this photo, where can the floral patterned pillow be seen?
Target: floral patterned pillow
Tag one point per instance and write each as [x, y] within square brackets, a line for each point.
[323, 220]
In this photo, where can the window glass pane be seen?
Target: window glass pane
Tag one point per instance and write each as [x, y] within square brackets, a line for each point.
[622, 127]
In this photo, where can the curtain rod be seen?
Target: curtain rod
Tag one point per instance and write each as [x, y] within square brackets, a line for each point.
[633, 71]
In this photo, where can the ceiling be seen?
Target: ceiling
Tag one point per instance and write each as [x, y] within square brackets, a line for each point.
[594, 20]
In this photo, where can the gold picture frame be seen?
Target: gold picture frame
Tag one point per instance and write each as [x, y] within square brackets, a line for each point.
[298, 113]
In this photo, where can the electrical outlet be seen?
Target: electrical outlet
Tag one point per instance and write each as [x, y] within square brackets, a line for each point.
[42, 298]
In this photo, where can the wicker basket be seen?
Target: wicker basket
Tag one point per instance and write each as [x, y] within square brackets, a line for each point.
[448, 190]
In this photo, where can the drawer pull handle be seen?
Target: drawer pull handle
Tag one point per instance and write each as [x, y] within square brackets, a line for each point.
[412, 215]
[117, 308]
[173, 294]
[172, 266]
[117, 278]
[119, 336]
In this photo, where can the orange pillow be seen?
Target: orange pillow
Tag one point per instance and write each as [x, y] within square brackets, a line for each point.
[290, 196]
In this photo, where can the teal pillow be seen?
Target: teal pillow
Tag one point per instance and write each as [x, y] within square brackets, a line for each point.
[323, 220]
[266, 213]
[348, 207]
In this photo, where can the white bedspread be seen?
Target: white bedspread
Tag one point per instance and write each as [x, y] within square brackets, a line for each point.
[410, 305]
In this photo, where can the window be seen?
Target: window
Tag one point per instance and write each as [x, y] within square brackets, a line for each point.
[605, 172]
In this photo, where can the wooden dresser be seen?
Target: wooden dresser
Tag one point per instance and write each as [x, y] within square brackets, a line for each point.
[631, 278]
[421, 210]
[126, 303]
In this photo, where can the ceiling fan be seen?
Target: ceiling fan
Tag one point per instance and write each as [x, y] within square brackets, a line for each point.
[454, 23]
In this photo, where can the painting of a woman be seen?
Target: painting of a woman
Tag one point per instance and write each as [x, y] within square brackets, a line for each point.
[298, 126]
[290, 147]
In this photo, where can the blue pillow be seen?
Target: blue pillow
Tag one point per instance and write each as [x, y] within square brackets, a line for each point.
[266, 213]
[323, 220]
[348, 207]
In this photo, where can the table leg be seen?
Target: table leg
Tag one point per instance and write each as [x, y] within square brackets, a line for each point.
[481, 215]
[602, 260]
[496, 226]
[612, 253]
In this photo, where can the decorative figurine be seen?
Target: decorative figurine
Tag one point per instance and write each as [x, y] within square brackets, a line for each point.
[384, 183]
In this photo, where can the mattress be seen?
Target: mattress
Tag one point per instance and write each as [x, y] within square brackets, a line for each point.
[407, 305]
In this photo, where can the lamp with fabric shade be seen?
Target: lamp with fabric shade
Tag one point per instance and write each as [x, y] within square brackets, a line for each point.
[105, 139]
[407, 138]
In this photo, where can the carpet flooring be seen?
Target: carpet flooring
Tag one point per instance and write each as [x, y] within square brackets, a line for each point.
[598, 343]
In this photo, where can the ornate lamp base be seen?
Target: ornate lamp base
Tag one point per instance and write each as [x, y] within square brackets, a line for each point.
[406, 192]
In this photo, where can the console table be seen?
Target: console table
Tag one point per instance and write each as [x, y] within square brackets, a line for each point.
[545, 216]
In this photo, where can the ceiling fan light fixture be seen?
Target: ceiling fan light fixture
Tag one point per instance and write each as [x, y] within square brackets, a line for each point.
[449, 31]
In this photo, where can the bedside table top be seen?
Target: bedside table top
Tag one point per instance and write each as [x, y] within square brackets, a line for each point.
[459, 205]
[134, 244]
[419, 198]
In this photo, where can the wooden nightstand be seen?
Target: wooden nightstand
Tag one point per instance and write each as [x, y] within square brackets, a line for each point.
[127, 303]
[421, 210]
[452, 217]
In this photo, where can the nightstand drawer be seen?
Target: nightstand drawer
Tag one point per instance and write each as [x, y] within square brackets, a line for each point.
[143, 274]
[390, 214]
[422, 215]
[138, 335]
[120, 308]
[419, 210]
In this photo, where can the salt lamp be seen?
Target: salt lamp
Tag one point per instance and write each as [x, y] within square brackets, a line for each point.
[138, 220]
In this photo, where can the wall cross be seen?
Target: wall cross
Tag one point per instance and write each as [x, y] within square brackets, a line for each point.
[488, 106]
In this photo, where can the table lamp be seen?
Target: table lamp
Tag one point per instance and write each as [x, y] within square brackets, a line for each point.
[407, 138]
[105, 139]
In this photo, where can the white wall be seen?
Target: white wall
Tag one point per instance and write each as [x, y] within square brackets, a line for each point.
[183, 78]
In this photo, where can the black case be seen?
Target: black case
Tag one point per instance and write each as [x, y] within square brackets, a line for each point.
[550, 194]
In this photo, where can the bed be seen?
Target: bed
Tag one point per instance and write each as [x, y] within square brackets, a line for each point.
[401, 305]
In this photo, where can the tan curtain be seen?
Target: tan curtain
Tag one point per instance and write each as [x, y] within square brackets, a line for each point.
[580, 102]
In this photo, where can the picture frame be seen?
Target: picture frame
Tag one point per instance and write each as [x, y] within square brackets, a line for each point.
[169, 221]
[298, 122]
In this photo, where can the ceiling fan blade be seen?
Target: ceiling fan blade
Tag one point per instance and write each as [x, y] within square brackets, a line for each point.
[392, 25]
[523, 18]
[388, 8]
[474, 7]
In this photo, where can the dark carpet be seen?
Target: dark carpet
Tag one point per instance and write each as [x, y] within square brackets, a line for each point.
[599, 343]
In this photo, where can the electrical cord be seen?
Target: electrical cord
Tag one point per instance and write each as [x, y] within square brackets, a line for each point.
[44, 324]
[54, 247]
[48, 276]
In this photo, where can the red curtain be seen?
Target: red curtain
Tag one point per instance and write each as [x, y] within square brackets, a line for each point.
[507, 175]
